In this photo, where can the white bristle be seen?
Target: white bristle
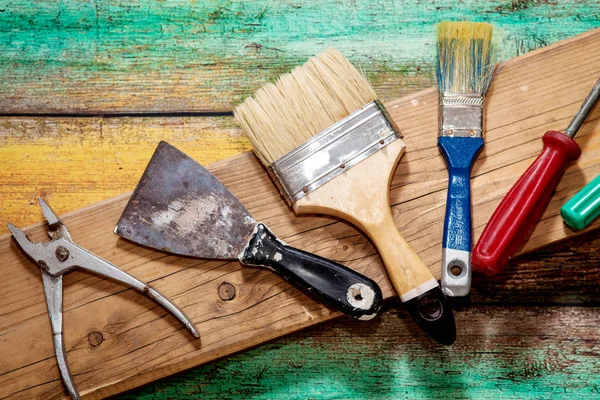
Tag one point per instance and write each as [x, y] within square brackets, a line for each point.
[282, 116]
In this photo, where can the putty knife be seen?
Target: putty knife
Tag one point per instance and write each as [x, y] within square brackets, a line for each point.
[181, 208]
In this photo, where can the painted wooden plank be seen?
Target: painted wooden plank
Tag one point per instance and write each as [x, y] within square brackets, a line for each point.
[141, 343]
[326, 362]
[564, 273]
[501, 353]
[114, 56]
[77, 162]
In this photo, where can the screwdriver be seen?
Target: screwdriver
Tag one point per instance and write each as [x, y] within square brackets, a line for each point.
[525, 203]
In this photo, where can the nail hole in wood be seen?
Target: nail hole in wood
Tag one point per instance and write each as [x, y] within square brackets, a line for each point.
[226, 291]
[95, 338]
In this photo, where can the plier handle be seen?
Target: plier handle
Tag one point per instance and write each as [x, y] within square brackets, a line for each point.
[61, 255]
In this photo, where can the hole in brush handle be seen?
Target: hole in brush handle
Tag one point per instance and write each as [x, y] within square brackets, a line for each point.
[432, 312]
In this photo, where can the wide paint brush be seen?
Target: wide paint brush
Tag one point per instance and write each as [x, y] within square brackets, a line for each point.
[465, 68]
[331, 148]
[181, 208]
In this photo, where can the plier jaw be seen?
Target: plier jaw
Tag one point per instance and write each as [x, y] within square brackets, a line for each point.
[56, 228]
[61, 255]
[38, 251]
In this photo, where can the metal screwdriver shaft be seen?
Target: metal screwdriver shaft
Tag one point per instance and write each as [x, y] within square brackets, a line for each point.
[584, 111]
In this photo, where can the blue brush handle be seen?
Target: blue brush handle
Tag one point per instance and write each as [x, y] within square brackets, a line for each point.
[460, 154]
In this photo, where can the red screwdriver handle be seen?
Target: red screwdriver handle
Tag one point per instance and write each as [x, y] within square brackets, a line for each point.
[523, 206]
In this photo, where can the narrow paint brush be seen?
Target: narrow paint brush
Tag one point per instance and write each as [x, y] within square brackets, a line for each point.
[331, 148]
[465, 68]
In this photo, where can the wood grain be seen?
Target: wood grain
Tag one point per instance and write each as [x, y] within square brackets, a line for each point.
[502, 352]
[112, 56]
[141, 343]
[360, 196]
[76, 162]
[565, 273]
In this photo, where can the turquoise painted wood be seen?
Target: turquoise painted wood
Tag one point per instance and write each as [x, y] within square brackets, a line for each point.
[350, 360]
[116, 56]
[102, 56]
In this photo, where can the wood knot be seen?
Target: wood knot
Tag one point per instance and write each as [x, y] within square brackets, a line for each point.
[95, 338]
[226, 291]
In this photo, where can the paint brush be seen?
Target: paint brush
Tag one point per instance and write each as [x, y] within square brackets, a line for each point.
[464, 70]
[331, 148]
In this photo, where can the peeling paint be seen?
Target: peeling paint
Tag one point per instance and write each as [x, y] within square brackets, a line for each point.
[209, 55]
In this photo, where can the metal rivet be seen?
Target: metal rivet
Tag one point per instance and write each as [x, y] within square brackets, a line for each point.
[382, 141]
[62, 253]
[342, 166]
[472, 133]
[450, 132]
[95, 338]
[226, 291]
[305, 189]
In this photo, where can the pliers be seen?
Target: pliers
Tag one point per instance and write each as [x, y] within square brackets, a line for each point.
[61, 255]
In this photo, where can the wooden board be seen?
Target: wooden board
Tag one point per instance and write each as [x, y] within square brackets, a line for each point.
[139, 343]
[501, 353]
[512, 343]
[76, 162]
[113, 56]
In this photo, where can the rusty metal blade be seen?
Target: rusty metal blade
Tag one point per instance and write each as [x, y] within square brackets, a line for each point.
[180, 207]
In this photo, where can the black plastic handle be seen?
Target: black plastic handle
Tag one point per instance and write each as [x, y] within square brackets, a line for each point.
[434, 315]
[329, 282]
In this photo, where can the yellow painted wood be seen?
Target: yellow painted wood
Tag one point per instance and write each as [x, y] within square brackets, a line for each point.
[76, 162]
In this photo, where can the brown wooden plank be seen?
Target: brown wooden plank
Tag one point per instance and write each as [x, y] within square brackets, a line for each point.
[566, 272]
[501, 353]
[531, 94]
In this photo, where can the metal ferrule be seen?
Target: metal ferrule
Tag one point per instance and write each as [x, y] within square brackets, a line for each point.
[461, 115]
[333, 151]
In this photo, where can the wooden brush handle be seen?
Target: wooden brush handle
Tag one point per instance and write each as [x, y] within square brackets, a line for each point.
[403, 265]
[361, 196]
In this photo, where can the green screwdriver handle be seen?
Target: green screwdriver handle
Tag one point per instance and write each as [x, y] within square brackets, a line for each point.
[584, 207]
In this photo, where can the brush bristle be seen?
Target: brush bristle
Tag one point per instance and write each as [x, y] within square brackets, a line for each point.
[282, 116]
[466, 58]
